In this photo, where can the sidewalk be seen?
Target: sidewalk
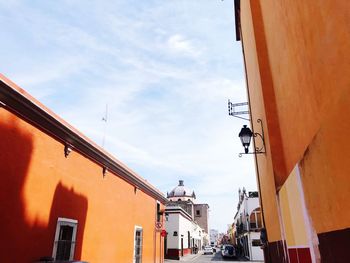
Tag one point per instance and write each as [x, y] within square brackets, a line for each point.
[188, 257]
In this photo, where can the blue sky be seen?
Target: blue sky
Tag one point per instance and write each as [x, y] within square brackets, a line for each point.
[166, 70]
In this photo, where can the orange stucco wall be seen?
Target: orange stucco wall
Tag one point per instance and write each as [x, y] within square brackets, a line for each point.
[308, 57]
[265, 164]
[38, 185]
[302, 60]
[325, 170]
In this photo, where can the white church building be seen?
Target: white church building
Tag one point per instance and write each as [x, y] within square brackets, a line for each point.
[186, 223]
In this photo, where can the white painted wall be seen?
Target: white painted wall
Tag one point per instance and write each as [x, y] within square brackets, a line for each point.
[181, 224]
[252, 203]
[185, 226]
[170, 226]
[247, 207]
[256, 252]
[196, 231]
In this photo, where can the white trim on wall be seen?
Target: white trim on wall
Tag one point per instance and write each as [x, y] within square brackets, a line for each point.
[137, 228]
[312, 236]
[65, 222]
[282, 227]
[73, 221]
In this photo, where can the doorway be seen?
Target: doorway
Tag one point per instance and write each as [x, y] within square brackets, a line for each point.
[182, 247]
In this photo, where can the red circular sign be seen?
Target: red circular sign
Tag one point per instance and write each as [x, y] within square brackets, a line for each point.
[163, 233]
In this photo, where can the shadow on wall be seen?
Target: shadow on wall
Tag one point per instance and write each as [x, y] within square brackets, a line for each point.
[21, 241]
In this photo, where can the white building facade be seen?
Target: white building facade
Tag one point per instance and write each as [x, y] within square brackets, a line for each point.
[214, 236]
[185, 235]
[247, 226]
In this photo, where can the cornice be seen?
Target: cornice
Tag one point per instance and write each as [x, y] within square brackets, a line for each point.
[178, 210]
[23, 105]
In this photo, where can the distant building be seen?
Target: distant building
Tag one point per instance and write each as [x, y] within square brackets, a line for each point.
[186, 223]
[214, 236]
[222, 238]
[201, 215]
[247, 225]
[65, 198]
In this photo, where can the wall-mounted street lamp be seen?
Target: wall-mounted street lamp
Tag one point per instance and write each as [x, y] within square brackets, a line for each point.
[104, 171]
[246, 135]
[67, 150]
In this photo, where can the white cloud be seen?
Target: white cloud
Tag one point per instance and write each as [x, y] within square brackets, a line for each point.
[166, 71]
[48, 71]
[180, 45]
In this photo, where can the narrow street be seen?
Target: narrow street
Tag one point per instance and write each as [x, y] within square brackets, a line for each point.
[216, 257]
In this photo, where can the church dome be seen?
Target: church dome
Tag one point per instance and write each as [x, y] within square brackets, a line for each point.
[181, 193]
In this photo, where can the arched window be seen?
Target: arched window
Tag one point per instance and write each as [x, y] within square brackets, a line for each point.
[255, 219]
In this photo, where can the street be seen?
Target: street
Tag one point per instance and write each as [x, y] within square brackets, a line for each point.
[216, 257]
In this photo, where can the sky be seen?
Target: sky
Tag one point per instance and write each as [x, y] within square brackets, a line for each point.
[166, 70]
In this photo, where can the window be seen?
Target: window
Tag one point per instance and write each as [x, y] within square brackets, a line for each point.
[138, 245]
[65, 239]
[198, 212]
[256, 243]
[255, 219]
[253, 194]
[158, 212]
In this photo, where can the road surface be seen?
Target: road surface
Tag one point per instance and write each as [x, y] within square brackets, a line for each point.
[216, 257]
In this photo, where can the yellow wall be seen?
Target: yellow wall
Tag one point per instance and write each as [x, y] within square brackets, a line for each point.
[292, 212]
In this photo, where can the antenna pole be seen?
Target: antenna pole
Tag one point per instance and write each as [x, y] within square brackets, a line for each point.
[105, 119]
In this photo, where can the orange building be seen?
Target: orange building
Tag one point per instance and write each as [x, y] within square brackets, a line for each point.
[297, 62]
[65, 198]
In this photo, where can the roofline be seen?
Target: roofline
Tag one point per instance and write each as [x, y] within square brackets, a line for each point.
[202, 204]
[178, 210]
[19, 102]
[181, 196]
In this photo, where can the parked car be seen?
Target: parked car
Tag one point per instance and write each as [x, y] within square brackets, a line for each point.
[223, 247]
[208, 250]
[228, 251]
